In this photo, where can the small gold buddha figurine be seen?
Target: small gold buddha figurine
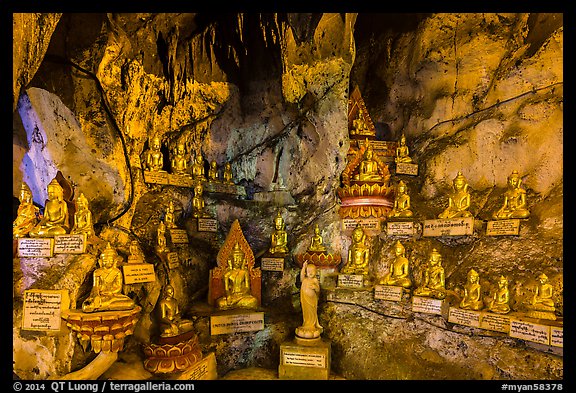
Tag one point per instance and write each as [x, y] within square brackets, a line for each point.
[458, 200]
[402, 151]
[198, 201]
[106, 294]
[179, 161]
[82, 218]
[27, 215]
[316, 242]
[153, 157]
[499, 302]
[213, 172]
[169, 219]
[472, 292]
[279, 238]
[541, 304]
[161, 237]
[136, 255]
[514, 200]
[368, 169]
[358, 254]
[237, 283]
[399, 270]
[433, 280]
[171, 322]
[401, 208]
[55, 220]
[309, 294]
[198, 168]
[359, 125]
[227, 175]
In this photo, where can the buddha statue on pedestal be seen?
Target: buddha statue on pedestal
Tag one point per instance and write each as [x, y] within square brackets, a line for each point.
[279, 238]
[227, 175]
[153, 156]
[541, 304]
[358, 254]
[316, 242]
[360, 125]
[472, 292]
[433, 278]
[198, 168]
[179, 160]
[55, 220]
[213, 176]
[499, 302]
[198, 201]
[368, 169]
[402, 151]
[458, 200]
[27, 215]
[399, 269]
[171, 322]
[237, 283]
[83, 218]
[309, 294]
[401, 207]
[514, 200]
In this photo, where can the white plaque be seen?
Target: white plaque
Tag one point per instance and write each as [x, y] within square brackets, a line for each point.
[236, 323]
[557, 336]
[351, 280]
[400, 228]
[204, 369]
[449, 227]
[70, 244]
[173, 260]
[464, 317]
[42, 309]
[301, 359]
[35, 247]
[388, 292]
[495, 322]
[207, 225]
[503, 227]
[373, 224]
[156, 177]
[135, 273]
[407, 168]
[178, 235]
[180, 181]
[530, 331]
[272, 264]
[427, 305]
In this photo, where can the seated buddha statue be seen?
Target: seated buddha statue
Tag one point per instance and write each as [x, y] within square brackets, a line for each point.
[237, 283]
[514, 200]
[472, 292]
[55, 220]
[399, 270]
[198, 201]
[198, 168]
[458, 200]
[402, 151]
[179, 160]
[279, 238]
[161, 245]
[359, 125]
[433, 279]
[499, 302]
[401, 206]
[106, 294]
[82, 218]
[169, 219]
[136, 255]
[171, 322]
[213, 172]
[316, 242]
[27, 215]
[542, 301]
[153, 156]
[368, 168]
[227, 175]
[358, 254]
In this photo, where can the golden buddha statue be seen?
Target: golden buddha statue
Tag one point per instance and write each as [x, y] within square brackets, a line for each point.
[499, 302]
[198, 201]
[368, 168]
[399, 270]
[169, 220]
[472, 292]
[359, 125]
[179, 161]
[401, 208]
[279, 238]
[237, 283]
[433, 280]
[82, 218]
[358, 254]
[316, 242]
[309, 294]
[136, 255]
[161, 237]
[55, 220]
[402, 151]
[198, 168]
[458, 200]
[153, 157]
[213, 172]
[27, 215]
[106, 294]
[514, 200]
[227, 175]
[541, 304]
[171, 322]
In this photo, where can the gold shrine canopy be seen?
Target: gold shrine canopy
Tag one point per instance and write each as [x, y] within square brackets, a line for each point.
[235, 235]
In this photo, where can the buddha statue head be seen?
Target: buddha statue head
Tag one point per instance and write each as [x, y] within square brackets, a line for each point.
[279, 222]
[460, 182]
[237, 257]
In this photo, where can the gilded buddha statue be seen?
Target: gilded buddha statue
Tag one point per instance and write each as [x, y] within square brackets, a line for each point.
[179, 160]
[402, 151]
[82, 218]
[401, 208]
[541, 304]
[514, 200]
[169, 218]
[106, 294]
[55, 220]
[399, 269]
[227, 175]
[27, 215]
[309, 294]
[499, 302]
[358, 254]
[161, 237]
[136, 255]
[237, 283]
[198, 201]
[360, 126]
[279, 238]
[368, 168]
[458, 200]
[213, 172]
[171, 322]
[433, 278]
[316, 242]
[198, 168]
[472, 299]
[153, 156]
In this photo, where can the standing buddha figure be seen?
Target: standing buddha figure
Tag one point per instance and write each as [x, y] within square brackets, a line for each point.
[27, 216]
[358, 254]
[237, 283]
[83, 218]
[55, 220]
[401, 208]
[434, 278]
[499, 302]
[514, 200]
[472, 292]
[279, 238]
[399, 270]
[402, 151]
[309, 294]
[458, 200]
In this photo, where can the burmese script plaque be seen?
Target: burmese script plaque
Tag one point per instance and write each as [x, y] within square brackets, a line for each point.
[427, 305]
[304, 359]
[372, 224]
[156, 177]
[69, 244]
[400, 228]
[503, 227]
[495, 322]
[42, 309]
[173, 260]
[178, 236]
[449, 227]
[207, 225]
[406, 168]
[351, 280]
[135, 273]
[35, 247]
[272, 264]
[236, 323]
[530, 331]
[464, 317]
[557, 336]
[181, 181]
[388, 292]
